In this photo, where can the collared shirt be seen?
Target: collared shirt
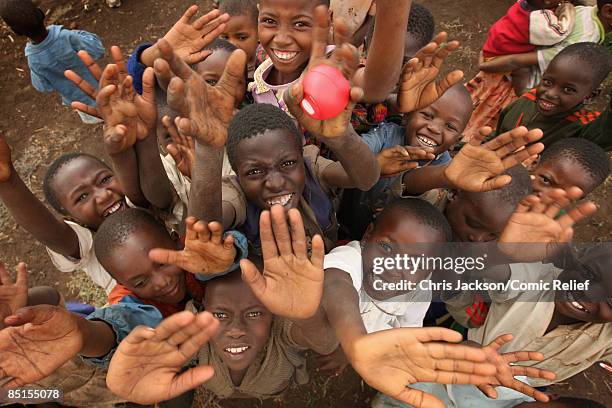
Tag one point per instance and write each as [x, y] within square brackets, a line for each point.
[57, 53]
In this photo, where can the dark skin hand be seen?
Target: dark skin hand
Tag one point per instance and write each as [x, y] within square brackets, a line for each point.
[13, 295]
[182, 148]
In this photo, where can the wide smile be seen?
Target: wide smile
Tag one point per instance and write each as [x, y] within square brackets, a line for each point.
[546, 106]
[576, 304]
[283, 200]
[285, 56]
[236, 351]
[172, 291]
[426, 141]
[113, 208]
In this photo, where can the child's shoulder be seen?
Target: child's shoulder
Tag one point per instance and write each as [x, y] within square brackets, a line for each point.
[582, 116]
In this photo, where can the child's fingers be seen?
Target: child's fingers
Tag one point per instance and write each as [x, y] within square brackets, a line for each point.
[190, 379]
[488, 390]
[177, 65]
[318, 252]
[207, 18]
[298, 235]
[214, 230]
[356, 96]
[188, 14]
[197, 57]
[103, 99]
[22, 275]
[5, 278]
[440, 37]
[184, 126]
[341, 32]
[162, 71]
[139, 334]
[168, 256]
[268, 245]
[228, 242]
[119, 61]
[582, 211]
[148, 86]
[427, 334]
[517, 356]
[172, 130]
[532, 372]
[172, 325]
[500, 341]
[449, 81]
[443, 53]
[520, 156]
[529, 391]
[83, 85]
[480, 136]
[409, 69]
[320, 33]
[109, 76]
[127, 90]
[418, 398]
[346, 58]
[90, 110]
[253, 278]
[91, 64]
[176, 96]
[496, 183]
[206, 328]
[232, 79]
[281, 230]
[214, 29]
[190, 232]
[526, 204]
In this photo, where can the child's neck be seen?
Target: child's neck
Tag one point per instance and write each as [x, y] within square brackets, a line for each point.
[237, 376]
[278, 78]
[40, 37]
[559, 319]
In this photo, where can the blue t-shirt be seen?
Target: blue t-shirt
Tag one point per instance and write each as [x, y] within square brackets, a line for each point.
[57, 53]
[382, 137]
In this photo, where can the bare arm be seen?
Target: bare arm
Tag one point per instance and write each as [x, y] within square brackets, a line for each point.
[154, 181]
[509, 63]
[125, 166]
[314, 333]
[205, 195]
[386, 51]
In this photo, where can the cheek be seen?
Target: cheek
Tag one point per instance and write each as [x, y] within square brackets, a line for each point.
[260, 329]
[252, 188]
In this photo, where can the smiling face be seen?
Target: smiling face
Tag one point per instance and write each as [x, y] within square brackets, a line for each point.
[130, 265]
[285, 32]
[561, 173]
[242, 32]
[391, 236]
[440, 124]
[244, 322]
[88, 191]
[270, 169]
[211, 69]
[475, 217]
[565, 84]
[595, 267]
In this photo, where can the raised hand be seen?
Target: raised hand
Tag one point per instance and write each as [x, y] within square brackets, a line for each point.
[13, 295]
[6, 163]
[96, 72]
[188, 38]
[43, 339]
[291, 284]
[418, 87]
[391, 360]
[536, 221]
[146, 368]
[478, 167]
[128, 117]
[398, 159]
[205, 252]
[344, 57]
[506, 370]
[182, 148]
[205, 110]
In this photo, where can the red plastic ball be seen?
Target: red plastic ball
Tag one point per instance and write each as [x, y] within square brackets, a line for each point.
[326, 92]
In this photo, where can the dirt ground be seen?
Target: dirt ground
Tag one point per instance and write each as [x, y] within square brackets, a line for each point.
[39, 129]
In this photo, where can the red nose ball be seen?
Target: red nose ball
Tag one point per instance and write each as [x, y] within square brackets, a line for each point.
[326, 92]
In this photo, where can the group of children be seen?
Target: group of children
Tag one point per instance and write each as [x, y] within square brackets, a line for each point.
[217, 169]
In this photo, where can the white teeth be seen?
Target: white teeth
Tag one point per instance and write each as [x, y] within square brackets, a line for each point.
[285, 55]
[236, 350]
[579, 306]
[427, 141]
[282, 200]
[113, 209]
[546, 105]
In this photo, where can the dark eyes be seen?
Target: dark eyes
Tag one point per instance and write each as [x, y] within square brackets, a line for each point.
[569, 90]
[547, 82]
[106, 179]
[427, 115]
[386, 247]
[471, 223]
[140, 283]
[267, 20]
[288, 163]
[545, 180]
[253, 314]
[301, 24]
[254, 172]
[82, 197]
[451, 127]
[219, 315]
[211, 82]
[243, 37]
[224, 36]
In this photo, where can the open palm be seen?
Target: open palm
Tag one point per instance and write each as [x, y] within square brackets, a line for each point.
[205, 110]
[391, 360]
[480, 167]
[45, 339]
[13, 295]
[146, 368]
[291, 284]
[418, 87]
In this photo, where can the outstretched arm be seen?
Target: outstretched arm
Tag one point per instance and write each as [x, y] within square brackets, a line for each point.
[32, 214]
[509, 63]
[386, 52]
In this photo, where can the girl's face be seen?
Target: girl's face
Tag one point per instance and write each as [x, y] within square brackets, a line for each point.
[285, 32]
[242, 32]
[88, 191]
[270, 169]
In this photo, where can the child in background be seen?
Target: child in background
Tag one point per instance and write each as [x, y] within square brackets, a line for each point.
[241, 30]
[527, 24]
[571, 162]
[556, 105]
[51, 51]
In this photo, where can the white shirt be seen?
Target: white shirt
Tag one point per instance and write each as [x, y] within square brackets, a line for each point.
[407, 310]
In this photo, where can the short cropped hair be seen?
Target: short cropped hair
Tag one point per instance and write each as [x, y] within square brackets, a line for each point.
[595, 58]
[221, 44]
[513, 192]
[240, 8]
[421, 24]
[52, 172]
[119, 227]
[22, 16]
[420, 210]
[589, 156]
[254, 120]
[601, 3]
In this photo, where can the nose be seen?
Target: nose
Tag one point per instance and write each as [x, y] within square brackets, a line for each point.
[236, 329]
[161, 281]
[103, 196]
[282, 39]
[434, 127]
[274, 181]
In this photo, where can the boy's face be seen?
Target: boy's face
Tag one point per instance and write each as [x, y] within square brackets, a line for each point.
[242, 32]
[270, 169]
[131, 267]
[560, 173]
[565, 84]
[285, 32]
[440, 124]
[211, 69]
[88, 191]
[392, 236]
[244, 322]
[476, 218]
[596, 268]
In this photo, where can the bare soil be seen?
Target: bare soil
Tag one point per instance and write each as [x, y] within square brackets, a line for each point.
[39, 129]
